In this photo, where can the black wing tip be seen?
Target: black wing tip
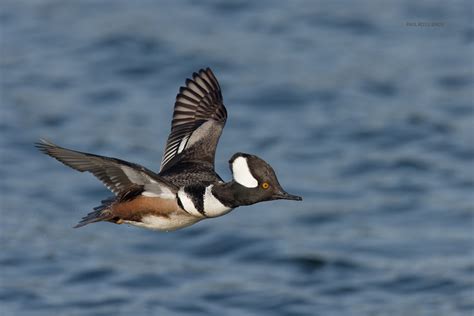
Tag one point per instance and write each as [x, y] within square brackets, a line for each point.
[82, 224]
[78, 225]
[201, 73]
[85, 221]
[213, 77]
[206, 70]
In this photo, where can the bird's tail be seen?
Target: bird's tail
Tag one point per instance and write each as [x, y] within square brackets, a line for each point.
[100, 213]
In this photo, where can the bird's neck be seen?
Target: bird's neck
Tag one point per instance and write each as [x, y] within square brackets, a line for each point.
[232, 194]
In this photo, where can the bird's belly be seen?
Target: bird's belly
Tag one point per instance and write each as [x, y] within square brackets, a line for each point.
[153, 213]
[171, 222]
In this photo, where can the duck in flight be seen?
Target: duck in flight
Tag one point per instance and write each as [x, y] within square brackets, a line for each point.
[187, 189]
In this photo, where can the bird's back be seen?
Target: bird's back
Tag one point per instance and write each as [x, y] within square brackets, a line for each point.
[191, 173]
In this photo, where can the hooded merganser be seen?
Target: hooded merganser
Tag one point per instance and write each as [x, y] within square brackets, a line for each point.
[187, 189]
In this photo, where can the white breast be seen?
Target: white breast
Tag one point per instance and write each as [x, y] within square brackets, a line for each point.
[212, 206]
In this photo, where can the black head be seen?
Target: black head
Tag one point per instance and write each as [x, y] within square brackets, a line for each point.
[256, 181]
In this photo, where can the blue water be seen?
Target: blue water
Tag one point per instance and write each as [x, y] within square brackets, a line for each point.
[368, 118]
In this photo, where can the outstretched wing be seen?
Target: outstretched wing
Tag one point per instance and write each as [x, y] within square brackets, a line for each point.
[117, 175]
[198, 119]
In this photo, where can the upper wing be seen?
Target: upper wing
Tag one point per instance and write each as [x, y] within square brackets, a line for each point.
[198, 119]
[117, 175]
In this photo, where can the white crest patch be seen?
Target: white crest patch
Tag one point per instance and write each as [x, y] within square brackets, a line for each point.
[188, 204]
[212, 206]
[242, 174]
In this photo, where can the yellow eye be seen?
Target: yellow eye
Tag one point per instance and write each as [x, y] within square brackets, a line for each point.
[265, 185]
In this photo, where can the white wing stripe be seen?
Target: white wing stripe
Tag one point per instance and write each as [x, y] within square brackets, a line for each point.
[182, 144]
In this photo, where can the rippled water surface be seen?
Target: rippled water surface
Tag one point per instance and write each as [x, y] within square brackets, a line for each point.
[367, 117]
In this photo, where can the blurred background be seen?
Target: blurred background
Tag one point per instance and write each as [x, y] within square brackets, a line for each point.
[363, 108]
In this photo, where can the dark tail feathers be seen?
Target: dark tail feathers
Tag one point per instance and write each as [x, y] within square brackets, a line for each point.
[101, 213]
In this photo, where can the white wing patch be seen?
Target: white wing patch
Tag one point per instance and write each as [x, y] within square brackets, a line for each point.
[150, 194]
[134, 175]
[242, 174]
[212, 206]
[158, 190]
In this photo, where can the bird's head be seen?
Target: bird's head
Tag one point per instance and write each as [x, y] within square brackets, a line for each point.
[256, 181]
